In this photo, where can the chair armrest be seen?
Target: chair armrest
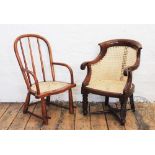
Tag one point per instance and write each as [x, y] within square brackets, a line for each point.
[35, 79]
[83, 65]
[127, 71]
[69, 68]
[29, 72]
[88, 64]
[88, 76]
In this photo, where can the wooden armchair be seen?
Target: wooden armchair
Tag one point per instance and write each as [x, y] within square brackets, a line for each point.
[41, 89]
[110, 74]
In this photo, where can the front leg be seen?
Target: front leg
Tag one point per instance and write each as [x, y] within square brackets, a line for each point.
[123, 110]
[106, 100]
[132, 103]
[85, 104]
[48, 100]
[71, 106]
[26, 104]
[44, 111]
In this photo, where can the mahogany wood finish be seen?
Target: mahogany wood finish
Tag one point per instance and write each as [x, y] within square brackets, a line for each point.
[129, 87]
[28, 74]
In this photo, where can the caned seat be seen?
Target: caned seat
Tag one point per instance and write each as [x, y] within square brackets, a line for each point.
[50, 86]
[34, 56]
[110, 74]
[111, 86]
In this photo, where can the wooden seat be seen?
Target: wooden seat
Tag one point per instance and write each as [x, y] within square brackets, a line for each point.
[110, 74]
[28, 49]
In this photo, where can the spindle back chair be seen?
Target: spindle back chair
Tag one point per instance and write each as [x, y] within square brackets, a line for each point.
[42, 89]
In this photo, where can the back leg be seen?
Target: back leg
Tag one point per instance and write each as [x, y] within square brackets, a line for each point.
[106, 100]
[71, 106]
[26, 104]
[132, 104]
[85, 104]
[48, 100]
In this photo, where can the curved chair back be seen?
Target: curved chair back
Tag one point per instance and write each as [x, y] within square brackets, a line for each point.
[115, 56]
[28, 49]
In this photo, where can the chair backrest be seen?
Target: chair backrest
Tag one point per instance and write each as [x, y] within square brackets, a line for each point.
[28, 49]
[114, 57]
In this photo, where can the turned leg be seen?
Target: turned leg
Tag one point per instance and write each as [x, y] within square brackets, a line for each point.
[26, 104]
[85, 104]
[48, 100]
[44, 111]
[71, 106]
[106, 100]
[132, 104]
[123, 110]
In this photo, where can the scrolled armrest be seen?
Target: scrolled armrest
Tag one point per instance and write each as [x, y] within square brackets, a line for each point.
[83, 65]
[127, 71]
[69, 68]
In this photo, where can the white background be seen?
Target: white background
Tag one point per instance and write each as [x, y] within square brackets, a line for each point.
[74, 44]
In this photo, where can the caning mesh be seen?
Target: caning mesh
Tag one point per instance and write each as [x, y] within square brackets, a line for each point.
[107, 74]
[49, 86]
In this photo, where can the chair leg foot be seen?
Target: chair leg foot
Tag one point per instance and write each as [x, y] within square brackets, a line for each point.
[122, 122]
[26, 104]
[71, 106]
[132, 103]
[44, 111]
[85, 104]
[123, 110]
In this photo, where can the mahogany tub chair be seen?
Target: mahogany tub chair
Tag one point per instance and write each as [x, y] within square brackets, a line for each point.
[29, 50]
[110, 75]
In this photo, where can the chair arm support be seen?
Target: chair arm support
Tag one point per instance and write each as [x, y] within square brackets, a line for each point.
[29, 72]
[128, 72]
[35, 79]
[69, 68]
[88, 76]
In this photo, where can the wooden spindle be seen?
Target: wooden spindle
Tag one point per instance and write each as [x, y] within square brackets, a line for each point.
[41, 60]
[32, 60]
[22, 49]
[51, 59]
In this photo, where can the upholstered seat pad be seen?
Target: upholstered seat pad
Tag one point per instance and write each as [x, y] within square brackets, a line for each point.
[112, 86]
[50, 86]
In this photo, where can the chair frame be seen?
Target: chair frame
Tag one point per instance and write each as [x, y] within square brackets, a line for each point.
[45, 97]
[129, 87]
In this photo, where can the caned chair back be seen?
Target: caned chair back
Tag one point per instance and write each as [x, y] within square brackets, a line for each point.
[115, 56]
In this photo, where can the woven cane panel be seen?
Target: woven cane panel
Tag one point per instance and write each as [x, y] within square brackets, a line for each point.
[49, 86]
[109, 85]
[107, 74]
[131, 57]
